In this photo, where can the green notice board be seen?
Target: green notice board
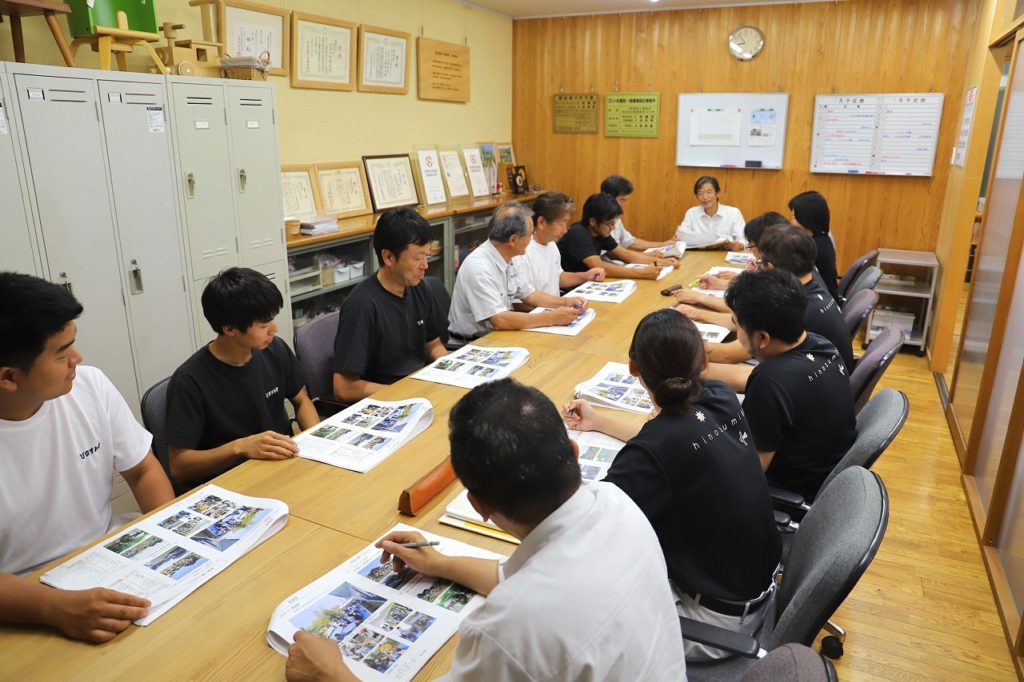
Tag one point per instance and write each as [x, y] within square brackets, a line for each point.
[632, 114]
[576, 113]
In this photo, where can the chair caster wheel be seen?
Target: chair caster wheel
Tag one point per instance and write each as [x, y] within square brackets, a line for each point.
[831, 647]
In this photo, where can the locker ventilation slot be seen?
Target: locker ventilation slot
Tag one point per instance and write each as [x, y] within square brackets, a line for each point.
[140, 98]
[250, 102]
[204, 101]
[59, 95]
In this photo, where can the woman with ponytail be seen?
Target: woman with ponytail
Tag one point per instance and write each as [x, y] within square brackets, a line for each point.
[693, 470]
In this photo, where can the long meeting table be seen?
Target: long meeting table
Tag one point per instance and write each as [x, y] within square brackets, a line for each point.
[218, 632]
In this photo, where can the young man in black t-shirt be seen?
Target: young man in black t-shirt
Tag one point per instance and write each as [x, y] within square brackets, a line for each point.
[583, 244]
[225, 404]
[798, 399]
[390, 325]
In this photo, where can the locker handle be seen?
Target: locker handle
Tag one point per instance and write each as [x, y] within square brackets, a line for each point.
[135, 278]
[242, 178]
[66, 283]
[190, 185]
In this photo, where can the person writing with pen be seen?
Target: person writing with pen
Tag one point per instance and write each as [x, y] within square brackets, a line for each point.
[511, 451]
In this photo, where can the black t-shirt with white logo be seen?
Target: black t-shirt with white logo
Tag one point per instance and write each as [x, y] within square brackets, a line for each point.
[578, 244]
[800, 406]
[698, 479]
[824, 318]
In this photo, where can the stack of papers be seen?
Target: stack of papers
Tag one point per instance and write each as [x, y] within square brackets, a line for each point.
[319, 225]
[615, 387]
[608, 292]
[473, 365]
[677, 250]
[571, 329]
[365, 434]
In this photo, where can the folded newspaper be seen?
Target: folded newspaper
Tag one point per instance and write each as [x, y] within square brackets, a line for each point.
[365, 434]
[387, 625]
[615, 291]
[615, 387]
[473, 365]
[167, 555]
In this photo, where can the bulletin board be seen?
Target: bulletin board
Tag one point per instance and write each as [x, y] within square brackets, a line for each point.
[732, 129]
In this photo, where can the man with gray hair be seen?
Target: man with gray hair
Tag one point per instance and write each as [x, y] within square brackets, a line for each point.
[490, 293]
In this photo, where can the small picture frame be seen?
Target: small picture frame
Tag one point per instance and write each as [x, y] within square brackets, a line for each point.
[383, 60]
[250, 29]
[429, 175]
[505, 152]
[323, 52]
[391, 181]
[343, 189]
[517, 180]
[299, 194]
[478, 183]
[489, 160]
[454, 174]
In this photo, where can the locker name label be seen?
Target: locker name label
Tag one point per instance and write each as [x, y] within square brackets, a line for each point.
[155, 119]
[202, 125]
[252, 124]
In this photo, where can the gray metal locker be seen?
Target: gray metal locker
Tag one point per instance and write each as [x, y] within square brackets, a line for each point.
[145, 203]
[18, 249]
[65, 153]
[204, 165]
[257, 172]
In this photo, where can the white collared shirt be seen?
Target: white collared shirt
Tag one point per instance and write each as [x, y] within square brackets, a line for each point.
[623, 236]
[698, 228]
[486, 285]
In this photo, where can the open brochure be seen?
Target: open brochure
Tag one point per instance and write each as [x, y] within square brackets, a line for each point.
[674, 250]
[739, 257]
[615, 387]
[167, 555]
[712, 333]
[571, 329]
[702, 241]
[365, 434]
[615, 291]
[665, 269]
[597, 451]
[473, 365]
[387, 625]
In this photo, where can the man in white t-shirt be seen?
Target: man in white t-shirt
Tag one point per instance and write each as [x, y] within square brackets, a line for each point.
[64, 431]
[586, 593]
[542, 261]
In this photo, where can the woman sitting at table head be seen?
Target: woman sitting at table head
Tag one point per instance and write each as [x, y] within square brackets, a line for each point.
[711, 221]
[810, 211]
[693, 470]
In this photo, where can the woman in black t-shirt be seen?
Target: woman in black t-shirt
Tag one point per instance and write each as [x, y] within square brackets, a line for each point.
[810, 211]
[693, 470]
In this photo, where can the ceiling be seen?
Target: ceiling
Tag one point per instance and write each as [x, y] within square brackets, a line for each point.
[523, 9]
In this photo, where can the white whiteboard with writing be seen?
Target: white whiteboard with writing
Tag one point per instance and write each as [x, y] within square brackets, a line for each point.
[732, 129]
[881, 134]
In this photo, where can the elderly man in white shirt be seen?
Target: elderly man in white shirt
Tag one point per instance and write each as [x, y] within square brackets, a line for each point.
[711, 223]
[493, 293]
[586, 593]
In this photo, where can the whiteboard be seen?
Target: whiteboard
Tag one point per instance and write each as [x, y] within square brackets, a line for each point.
[880, 134]
[732, 129]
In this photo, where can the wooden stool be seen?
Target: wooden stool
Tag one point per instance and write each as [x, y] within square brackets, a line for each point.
[16, 9]
[119, 41]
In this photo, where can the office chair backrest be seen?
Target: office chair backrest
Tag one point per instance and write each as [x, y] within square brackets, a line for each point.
[867, 279]
[154, 418]
[443, 300]
[791, 662]
[314, 346]
[872, 365]
[836, 541]
[878, 424]
[852, 273]
[857, 309]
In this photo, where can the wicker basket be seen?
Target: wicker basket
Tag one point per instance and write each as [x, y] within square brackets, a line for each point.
[246, 68]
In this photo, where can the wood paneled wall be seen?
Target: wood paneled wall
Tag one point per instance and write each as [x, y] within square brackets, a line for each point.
[859, 46]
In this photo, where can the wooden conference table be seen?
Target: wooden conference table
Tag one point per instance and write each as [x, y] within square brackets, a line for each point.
[218, 632]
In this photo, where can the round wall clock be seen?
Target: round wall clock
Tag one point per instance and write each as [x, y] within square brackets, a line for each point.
[746, 42]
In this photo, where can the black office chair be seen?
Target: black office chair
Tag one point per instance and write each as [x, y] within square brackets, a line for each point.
[858, 308]
[851, 275]
[444, 302]
[867, 279]
[872, 365]
[792, 662]
[833, 547]
[154, 418]
[314, 346]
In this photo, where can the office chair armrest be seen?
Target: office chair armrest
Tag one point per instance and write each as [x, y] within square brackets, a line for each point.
[712, 635]
[787, 500]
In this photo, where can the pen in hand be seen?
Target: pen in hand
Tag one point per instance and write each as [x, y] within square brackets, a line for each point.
[414, 545]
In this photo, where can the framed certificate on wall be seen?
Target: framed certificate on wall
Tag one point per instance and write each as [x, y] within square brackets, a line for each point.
[299, 191]
[249, 30]
[323, 52]
[391, 181]
[383, 60]
[429, 176]
[343, 189]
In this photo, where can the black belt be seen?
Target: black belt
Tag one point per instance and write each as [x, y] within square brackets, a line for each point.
[728, 608]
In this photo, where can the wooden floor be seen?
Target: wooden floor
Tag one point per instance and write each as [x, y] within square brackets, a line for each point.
[924, 609]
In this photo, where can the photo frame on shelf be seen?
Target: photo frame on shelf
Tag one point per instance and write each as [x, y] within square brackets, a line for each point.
[489, 160]
[391, 181]
[323, 52]
[343, 189]
[384, 56]
[250, 29]
[517, 180]
[505, 152]
[478, 185]
[299, 192]
[454, 173]
[429, 175]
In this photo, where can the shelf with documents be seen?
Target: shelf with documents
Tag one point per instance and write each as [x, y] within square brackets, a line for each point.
[906, 292]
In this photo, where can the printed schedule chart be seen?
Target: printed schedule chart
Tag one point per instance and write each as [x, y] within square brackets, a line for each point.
[892, 134]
